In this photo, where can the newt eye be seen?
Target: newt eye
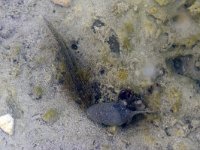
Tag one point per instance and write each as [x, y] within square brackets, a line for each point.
[125, 94]
[74, 45]
[132, 100]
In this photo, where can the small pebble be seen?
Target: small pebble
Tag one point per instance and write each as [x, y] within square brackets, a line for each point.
[7, 124]
[112, 130]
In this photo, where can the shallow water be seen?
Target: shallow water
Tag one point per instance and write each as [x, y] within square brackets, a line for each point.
[149, 46]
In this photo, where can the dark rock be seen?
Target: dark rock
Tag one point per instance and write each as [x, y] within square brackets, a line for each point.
[126, 94]
[114, 43]
[174, 46]
[186, 66]
[150, 89]
[102, 71]
[198, 83]
[167, 131]
[97, 23]
[133, 101]
[74, 45]
[178, 65]
[188, 3]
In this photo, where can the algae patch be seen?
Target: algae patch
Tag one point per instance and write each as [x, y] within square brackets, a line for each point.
[157, 13]
[128, 27]
[126, 43]
[174, 96]
[122, 74]
[148, 138]
[125, 35]
[38, 92]
[51, 115]
[154, 101]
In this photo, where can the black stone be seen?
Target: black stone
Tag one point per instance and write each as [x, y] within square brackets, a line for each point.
[150, 89]
[198, 83]
[174, 45]
[114, 44]
[178, 65]
[125, 94]
[74, 46]
[185, 65]
[167, 131]
[102, 71]
[97, 23]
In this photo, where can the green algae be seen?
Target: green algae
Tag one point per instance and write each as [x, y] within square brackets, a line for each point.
[122, 74]
[128, 27]
[174, 97]
[50, 116]
[158, 13]
[154, 101]
[38, 92]
[126, 44]
[125, 35]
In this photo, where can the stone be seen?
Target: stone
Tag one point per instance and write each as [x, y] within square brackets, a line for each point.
[97, 24]
[7, 124]
[64, 3]
[112, 130]
[185, 65]
[114, 43]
